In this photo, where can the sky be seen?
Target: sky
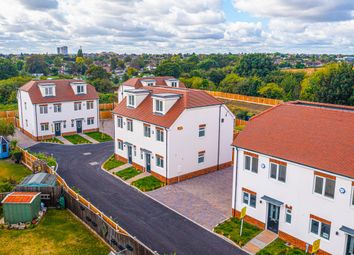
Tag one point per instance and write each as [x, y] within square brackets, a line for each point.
[174, 26]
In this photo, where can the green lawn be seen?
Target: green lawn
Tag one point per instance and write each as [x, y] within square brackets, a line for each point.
[148, 183]
[51, 161]
[99, 136]
[58, 233]
[112, 163]
[128, 173]
[11, 174]
[53, 140]
[8, 107]
[278, 247]
[76, 139]
[231, 229]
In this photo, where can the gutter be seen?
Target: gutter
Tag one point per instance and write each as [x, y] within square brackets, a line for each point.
[35, 111]
[218, 157]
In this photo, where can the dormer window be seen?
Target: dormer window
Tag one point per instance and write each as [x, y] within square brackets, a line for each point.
[150, 84]
[158, 106]
[131, 100]
[174, 84]
[48, 91]
[80, 89]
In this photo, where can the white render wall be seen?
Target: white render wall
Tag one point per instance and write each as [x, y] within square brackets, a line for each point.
[298, 193]
[28, 112]
[121, 93]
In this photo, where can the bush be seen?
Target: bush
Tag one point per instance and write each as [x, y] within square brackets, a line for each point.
[16, 156]
[50, 160]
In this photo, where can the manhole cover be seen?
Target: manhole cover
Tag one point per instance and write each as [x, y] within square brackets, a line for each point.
[93, 163]
[87, 153]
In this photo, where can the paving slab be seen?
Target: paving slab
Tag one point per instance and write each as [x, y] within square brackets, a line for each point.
[119, 168]
[63, 140]
[260, 241]
[23, 140]
[137, 177]
[88, 138]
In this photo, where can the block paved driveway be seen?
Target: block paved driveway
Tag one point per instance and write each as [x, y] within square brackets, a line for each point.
[155, 225]
[205, 199]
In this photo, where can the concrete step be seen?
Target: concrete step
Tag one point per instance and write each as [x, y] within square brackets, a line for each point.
[62, 139]
[137, 177]
[120, 168]
[260, 241]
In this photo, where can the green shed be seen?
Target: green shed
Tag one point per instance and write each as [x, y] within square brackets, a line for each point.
[21, 207]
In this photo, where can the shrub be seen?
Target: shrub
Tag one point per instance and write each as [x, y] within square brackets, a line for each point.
[16, 156]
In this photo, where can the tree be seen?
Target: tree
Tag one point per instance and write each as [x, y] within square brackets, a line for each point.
[255, 65]
[168, 68]
[102, 85]
[7, 69]
[97, 72]
[131, 71]
[271, 90]
[36, 64]
[216, 75]
[207, 64]
[230, 82]
[137, 63]
[198, 83]
[79, 53]
[8, 89]
[114, 63]
[248, 86]
[58, 61]
[6, 129]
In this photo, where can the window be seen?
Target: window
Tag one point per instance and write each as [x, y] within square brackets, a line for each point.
[80, 89]
[201, 157]
[130, 125]
[90, 121]
[249, 198]
[26, 123]
[89, 105]
[77, 106]
[159, 134]
[120, 122]
[72, 123]
[251, 162]
[4, 147]
[320, 228]
[324, 186]
[134, 151]
[288, 215]
[120, 144]
[57, 107]
[158, 106]
[147, 130]
[159, 161]
[44, 126]
[174, 84]
[43, 109]
[278, 171]
[25, 105]
[202, 130]
[131, 100]
[150, 84]
[48, 91]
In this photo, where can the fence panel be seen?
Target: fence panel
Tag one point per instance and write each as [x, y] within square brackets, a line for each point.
[106, 115]
[239, 122]
[109, 106]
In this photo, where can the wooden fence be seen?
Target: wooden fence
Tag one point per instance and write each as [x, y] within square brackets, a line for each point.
[106, 107]
[49, 195]
[238, 97]
[103, 225]
[239, 122]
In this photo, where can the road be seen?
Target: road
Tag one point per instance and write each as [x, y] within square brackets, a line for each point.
[158, 227]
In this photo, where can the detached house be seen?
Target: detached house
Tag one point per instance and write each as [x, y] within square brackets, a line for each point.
[294, 171]
[175, 133]
[57, 107]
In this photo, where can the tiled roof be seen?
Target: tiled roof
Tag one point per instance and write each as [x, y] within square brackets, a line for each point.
[312, 134]
[144, 112]
[20, 197]
[160, 81]
[63, 91]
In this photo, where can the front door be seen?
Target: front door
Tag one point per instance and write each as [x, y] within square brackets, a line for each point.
[130, 156]
[273, 218]
[79, 126]
[57, 127]
[350, 245]
[148, 162]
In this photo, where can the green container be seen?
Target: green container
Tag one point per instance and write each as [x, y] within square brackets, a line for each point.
[21, 212]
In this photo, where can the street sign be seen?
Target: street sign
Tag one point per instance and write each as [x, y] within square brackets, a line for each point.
[243, 212]
[316, 246]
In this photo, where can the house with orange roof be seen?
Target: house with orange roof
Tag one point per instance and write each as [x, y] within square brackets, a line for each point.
[49, 108]
[170, 131]
[294, 172]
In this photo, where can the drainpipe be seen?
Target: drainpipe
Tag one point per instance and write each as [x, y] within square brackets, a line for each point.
[35, 111]
[218, 160]
[236, 177]
[166, 164]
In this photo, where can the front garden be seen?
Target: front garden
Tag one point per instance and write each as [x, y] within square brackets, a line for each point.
[128, 173]
[99, 136]
[279, 247]
[76, 139]
[148, 183]
[112, 163]
[53, 140]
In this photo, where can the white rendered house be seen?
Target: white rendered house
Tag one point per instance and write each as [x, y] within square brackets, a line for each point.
[294, 171]
[174, 133]
[50, 108]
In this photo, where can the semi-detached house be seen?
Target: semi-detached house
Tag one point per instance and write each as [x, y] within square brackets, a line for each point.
[294, 171]
[172, 132]
[50, 108]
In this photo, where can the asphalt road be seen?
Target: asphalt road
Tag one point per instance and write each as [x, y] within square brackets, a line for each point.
[155, 225]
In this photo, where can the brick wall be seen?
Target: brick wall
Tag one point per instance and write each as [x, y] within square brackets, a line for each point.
[249, 219]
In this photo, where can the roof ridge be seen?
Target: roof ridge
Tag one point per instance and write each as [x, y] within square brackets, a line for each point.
[266, 111]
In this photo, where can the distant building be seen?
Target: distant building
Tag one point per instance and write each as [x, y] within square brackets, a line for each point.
[62, 50]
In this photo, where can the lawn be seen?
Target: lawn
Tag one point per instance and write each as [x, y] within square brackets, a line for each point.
[112, 163]
[231, 229]
[11, 174]
[50, 160]
[58, 233]
[99, 136]
[148, 183]
[53, 140]
[76, 139]
[128, 173]
[279, 247]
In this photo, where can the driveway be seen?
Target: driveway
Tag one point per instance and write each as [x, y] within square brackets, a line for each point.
[205, 199]
[152, 223]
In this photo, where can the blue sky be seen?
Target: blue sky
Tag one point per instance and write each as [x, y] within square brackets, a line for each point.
[173, 26]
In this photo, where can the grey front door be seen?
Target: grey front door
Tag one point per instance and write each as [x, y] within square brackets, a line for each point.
[130, 156]
[148, 162]
[273, 218]
[79, 126]
[57, 128]
[350, 245]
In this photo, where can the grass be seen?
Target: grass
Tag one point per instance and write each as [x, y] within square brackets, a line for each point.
[128, 173]
[8, 107]
[112, 163]
[53, 140]
[11, 174]
[58, 233]
[99, 136]
[50, 160]
[76, 139]
[148, 183]
[231, 230]
[279, 247]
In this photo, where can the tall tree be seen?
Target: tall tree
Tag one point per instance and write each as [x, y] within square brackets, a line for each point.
[271, 90]
[168, 68]
[255, 65]
[36, 64]
[97, 72]
[79, 53]
[7, 69]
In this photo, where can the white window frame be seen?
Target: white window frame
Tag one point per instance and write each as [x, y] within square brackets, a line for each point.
[80, 89]
[131, 100]
[43, 109]
[90, 120]
[25, 105]
[26, 123]
[48, 91]
[57, 107]
[89, 105]
[44, 126]
[324, 183]
[201, 131]
[158, 106]
[120, 144]
[288, 212]
[277, 172]
[130, 125]
[76, 108]
[251, 163]
[159, 161]
[249, 195]
[320, 223]
[201, 157]
[120, 122]
[147, 131]
[174, 84]
[352, 198]
[160, 135]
